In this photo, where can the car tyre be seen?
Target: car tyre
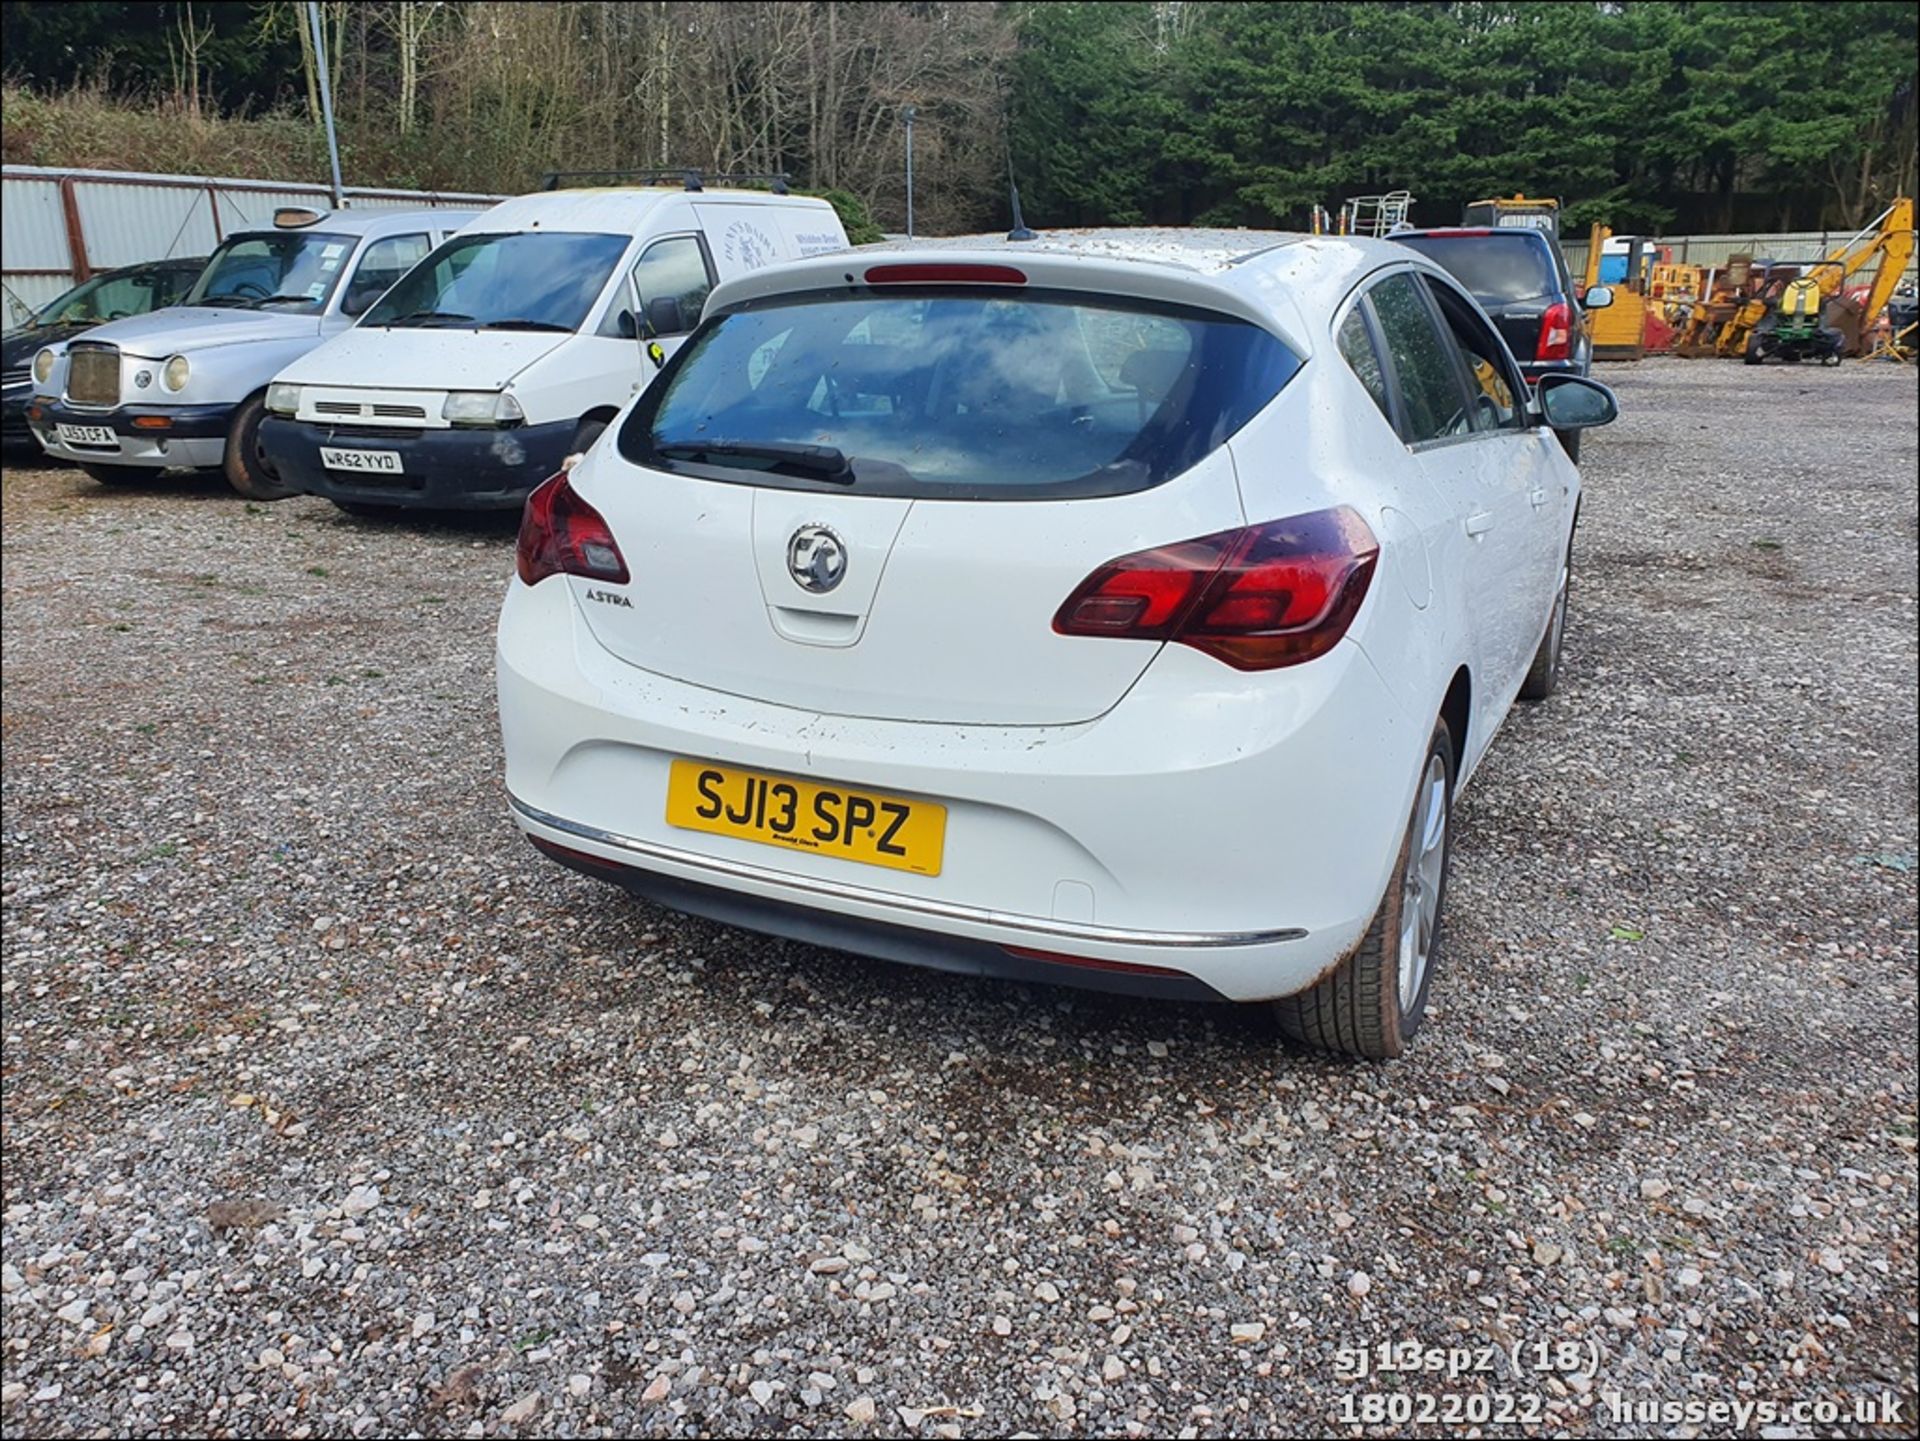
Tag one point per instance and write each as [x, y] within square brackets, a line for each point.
[1570, 443]
[1544, 674]
[115, 474]
[246, 466]
[1371, 1004]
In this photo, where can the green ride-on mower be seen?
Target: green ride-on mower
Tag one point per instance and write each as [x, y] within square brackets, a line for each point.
[1792, 330]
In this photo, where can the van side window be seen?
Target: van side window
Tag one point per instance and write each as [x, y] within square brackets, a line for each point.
[1356, 348]
[671, 270]
[1433, 403]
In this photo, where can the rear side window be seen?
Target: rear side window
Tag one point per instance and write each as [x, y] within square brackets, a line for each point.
[381, 264]
[1497, 269]
[1356, 347]
[1422, 359]
[971, 394]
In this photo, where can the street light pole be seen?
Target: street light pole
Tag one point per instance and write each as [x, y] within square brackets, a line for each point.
[907, 113]
[326, 97]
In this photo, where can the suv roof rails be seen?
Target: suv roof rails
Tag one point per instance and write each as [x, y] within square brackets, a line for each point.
[688, 178]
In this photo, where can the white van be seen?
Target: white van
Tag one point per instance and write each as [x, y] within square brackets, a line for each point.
[517, 341]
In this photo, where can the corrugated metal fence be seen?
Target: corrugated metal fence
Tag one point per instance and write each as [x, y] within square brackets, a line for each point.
[1800, 246]
[59, 226]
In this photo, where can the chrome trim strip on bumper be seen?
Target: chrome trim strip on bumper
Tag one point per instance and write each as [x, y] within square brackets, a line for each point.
[915, 905]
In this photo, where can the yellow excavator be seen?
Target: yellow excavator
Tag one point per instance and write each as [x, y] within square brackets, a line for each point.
[1803, 313]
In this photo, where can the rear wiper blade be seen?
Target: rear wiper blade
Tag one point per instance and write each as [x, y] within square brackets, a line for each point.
[823, 461]
[525, 325]
[422, 317]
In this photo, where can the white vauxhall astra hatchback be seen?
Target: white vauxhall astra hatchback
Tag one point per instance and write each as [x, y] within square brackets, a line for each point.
[1114, 608]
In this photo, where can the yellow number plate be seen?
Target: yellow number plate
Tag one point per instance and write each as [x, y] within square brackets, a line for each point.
[832, 820]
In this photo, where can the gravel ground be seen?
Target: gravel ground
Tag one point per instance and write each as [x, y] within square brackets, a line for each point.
[331, 1108]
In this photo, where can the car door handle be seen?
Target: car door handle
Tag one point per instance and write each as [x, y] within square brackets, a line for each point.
[1538, 496]
[1480, 522]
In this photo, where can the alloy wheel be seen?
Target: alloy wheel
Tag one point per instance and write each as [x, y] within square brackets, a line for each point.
[1421, 882]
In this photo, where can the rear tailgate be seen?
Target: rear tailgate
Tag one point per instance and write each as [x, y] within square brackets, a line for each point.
[998, 446]
[943, 613]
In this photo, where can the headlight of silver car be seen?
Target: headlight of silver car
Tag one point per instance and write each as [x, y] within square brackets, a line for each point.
[282, 398]
[174, 373]
[481, 407]
[43, 367]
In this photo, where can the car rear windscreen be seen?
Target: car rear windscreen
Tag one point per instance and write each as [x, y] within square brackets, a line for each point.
[975, 394]
[1496, 269]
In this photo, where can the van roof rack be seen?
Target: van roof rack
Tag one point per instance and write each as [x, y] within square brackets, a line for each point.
[688, 178]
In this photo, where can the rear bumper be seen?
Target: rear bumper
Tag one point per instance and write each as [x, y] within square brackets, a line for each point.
[440, 469]
[1214, 837]
[819, 927]
[194, 435]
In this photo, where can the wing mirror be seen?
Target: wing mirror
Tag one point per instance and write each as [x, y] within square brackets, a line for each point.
[628, 327]
[1598, 297]
[1573, 402]
[359, 300]
[664, 316]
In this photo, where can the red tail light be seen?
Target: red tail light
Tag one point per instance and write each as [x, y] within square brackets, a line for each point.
[1556, 333]
[560, 534]
[1257, 598]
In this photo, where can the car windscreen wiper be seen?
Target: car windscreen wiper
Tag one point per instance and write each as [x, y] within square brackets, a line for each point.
[425, 317]
[303, 298]
[823, 462]
[524, 324]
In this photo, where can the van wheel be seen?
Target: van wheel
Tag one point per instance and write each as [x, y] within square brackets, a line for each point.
[1373, 1002]
[586, 433]
[246, 467]
[116, 474]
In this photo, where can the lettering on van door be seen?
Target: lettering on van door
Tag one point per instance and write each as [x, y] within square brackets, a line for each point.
[746, 245]
[817, 242]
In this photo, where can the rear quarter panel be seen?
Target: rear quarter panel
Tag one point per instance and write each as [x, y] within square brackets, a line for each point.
[1323, 442]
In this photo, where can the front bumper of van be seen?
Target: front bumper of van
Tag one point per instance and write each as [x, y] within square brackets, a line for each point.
[439, 469]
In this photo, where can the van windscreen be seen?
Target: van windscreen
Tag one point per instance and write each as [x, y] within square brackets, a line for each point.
[529, 280]
[956, 394]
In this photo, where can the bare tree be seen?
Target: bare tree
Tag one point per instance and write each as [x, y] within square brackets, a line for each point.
[408, 22]
[811, 87]
[184, 46]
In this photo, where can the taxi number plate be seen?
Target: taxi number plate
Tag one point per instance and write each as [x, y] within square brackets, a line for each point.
[87, 435]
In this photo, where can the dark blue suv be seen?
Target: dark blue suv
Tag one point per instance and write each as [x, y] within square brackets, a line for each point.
[1521, 280]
